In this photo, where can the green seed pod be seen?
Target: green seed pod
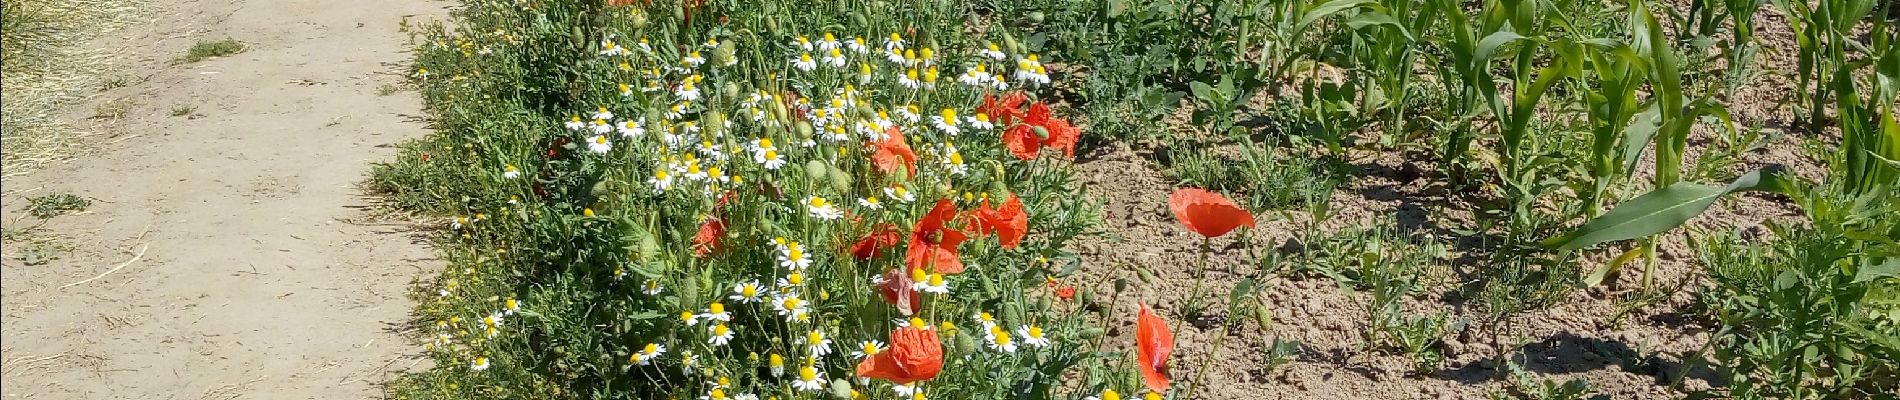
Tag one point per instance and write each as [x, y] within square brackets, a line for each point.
[655, 114]
[1041, 133]
[1009, 42]
[804, 129]
[840, 180]
[815, 170]
[1035, 16]
[865, 111]
[730, 90]
[715, 122]
[998, 189]
[966, 344]
[1042, 302]
[726, 52]
[1262, 316]
[689, 291]
[778, 110]
[840, 389]
[649, 246]
[1090, 333]
[1121, 285]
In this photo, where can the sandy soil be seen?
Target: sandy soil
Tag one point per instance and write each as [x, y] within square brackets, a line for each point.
[226, 253]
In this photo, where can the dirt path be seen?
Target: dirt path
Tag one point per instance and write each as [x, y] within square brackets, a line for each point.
[226, 258]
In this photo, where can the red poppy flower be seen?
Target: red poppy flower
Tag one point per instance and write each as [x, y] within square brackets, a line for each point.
[933, 246]
[881, 236]
[1004, 111]
[1023, 141]
[1153, 343]
[894, 153]
[1009, 223]
[898, 290]
[707, 242]
[916, 354]
[1065, 292]
[1208, 213]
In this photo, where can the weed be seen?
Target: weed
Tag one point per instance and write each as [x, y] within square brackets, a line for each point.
[181, 110]
[387, 89]
[207, 49]
[53, 205]
[112, 109]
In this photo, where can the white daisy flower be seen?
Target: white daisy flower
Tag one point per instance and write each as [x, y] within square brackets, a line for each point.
[829, 42]
[802, 42]
[776, 364]
[651, 352]
[857, 45]
[999, 340]
[721, 334]
[793, 257]
[601, 127]
[909, 80]
[980, 122]
[910, 113]
[906, 391]
[804, 62]
[694, 59]
[835, 59]
[871, 202]
[900, 193]
[511, 172]
[687, 91]
[574, 123]
[480, 364]
[633, 129]
[790, 306]
[599, 144]
[1033, 336]
[895, 57]
[946, 121]
[867, 348]
[688, 360]
[625, 90]
[933, 284]
[822, 209]
[810, 379]
[771, 159]
[978, 76]
[511, 306]
[603, 114]
[746, 293]
[895, 42]
[662, 180]
[716, 312]
[994, 52]
[985, 319]
[817, 343]
[652, 288]
[1107, 394]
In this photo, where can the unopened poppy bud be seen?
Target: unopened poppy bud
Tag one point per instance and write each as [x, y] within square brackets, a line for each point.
[815, 170]
[998, 189]
[1121, 284]
[804, 129]
[840, 181]
[841, 389]
[729, 90]
[1090, 333]
[715, 121]
[1041, 133]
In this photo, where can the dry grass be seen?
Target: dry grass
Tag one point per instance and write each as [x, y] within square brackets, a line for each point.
[42, 72]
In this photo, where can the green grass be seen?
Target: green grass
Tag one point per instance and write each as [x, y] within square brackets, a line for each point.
[181, 110]
[57, 204]
[208, 49]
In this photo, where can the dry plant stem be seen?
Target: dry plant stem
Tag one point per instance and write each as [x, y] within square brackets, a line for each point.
[1200, 274]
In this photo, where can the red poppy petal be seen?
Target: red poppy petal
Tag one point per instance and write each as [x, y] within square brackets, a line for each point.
[1021, 142]
[883, 366]
[1207, 213]
[1153, 344]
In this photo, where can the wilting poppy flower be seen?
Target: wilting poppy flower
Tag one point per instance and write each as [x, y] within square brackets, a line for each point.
[1004, 111]
[933, 246]
[893, 154]
[1208, 213]
[707, 242]
[1065, 292]
[1025, 142]
[1009, 223]
[916, 354]
[901, 292]
[1153, 343]
[881, 236]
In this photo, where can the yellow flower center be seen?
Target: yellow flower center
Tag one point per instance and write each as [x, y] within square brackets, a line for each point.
[777, 361]
[1110, 394]
[1035, 332]
[686, 315]
[808, 373]
[936, 279]
[651, 348]
[805, 57]
[792, 303]
[771, 154]
[870, 348]
[718, 394]
[721, 330]
[918, 322]
[949, 116]
[917, 274]
[717, 308]
[750, 290]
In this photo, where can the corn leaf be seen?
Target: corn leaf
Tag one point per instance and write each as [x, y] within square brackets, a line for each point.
[1661, 210]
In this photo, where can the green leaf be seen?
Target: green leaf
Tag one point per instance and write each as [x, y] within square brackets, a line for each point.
[1661, 210]
[1641, 130]
[1322, 10]
[1241, 291]
[1596, 277]
[1205, 93]
[1870, 270]
[1375, 18]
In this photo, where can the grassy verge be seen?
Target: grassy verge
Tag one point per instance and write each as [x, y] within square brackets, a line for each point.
[42, 71]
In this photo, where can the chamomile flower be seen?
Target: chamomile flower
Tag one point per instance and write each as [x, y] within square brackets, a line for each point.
[907, 390]
[828, 42]
[867, 348]
[1107, 394]
[909, 79]
[652, 288]
[985, 319]
[688, 361]
[694, 59]
[492, 320]
[574, 123]
[480, 364]
[895, 57]
[770, 158]
[633, 129]
[793, 257]
[746, 292]
[721, 334]
[602, 114]
[646, 355]
[804, 62]
[857, 45]
[1000, 341]
[980, 121]
[776, 364]
[662, 180]
[822, 209]
[946, 121]
[895, 42]
[715, 394]
[717, 312]
[687, 91]
[954, 163]
[816, 341]
[835, 59]
[994, 52]
[510, 172]
[511, 306]
[625, 90]
[790, 306]
[933, 284]
[910, 113]
[871, 202]
[802, 42]
[1033, 336]
[978, 76]
[930, 77]
[599, 144]
[900, 193]
[689, 318]
[810, 379]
